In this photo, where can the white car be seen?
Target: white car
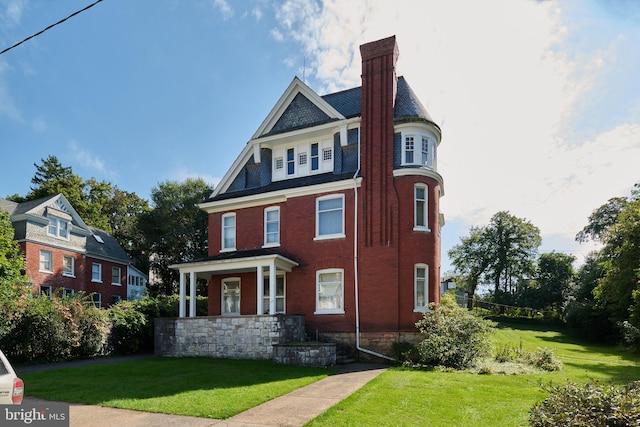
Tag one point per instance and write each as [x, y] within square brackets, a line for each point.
[11, 387]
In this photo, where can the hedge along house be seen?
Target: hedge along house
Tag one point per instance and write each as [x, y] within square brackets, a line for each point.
[331, 211]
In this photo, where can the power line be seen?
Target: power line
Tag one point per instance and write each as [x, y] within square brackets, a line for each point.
[51, 26]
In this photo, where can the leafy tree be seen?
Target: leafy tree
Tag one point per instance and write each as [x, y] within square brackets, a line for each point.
[12, 263]
[501, 253]
[470, 261]
[621, 255]
[175, 230]
[601, 219]
[553, 279]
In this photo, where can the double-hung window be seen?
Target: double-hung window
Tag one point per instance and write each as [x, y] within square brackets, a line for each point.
[272, 226]
[315, 157]
[425, 151]
[409, 148]
[229, 232]
[96, 272]
[291, 162]
[45, 261]
[330, 291]
[421, 288]
[68, 266]
[115, 276]
[330, 217]
[420, 206]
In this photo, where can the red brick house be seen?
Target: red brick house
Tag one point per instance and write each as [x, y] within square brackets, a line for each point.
[331, 210]
[65, 255]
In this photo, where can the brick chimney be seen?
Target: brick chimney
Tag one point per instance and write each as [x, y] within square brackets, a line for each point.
[379, 85]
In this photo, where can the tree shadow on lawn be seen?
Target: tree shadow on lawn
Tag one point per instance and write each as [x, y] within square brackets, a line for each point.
[163, 377]
[620, 374]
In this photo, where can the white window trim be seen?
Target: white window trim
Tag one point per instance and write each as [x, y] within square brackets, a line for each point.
[49, 294]
[58, 221]
[119, 282]
[73, 266]
[333, 310]
[97, 302]
[266, 211]
[266, 296]
[334, 235]
[416, 307]
[424, 227]
[417, 150]
[99, 272]
[222, 283]
[223, 248]
[42, 270]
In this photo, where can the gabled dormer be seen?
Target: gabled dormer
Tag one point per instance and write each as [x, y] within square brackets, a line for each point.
[303, 136]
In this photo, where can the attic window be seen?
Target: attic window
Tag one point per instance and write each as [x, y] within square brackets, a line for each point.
[98, 238]
[58, 228]
[302, 159]
[327, 154]
[279, 163]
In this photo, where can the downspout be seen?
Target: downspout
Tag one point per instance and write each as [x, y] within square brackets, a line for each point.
[355, 262]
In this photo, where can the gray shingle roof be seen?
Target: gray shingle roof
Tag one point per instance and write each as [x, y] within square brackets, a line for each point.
[349, 102]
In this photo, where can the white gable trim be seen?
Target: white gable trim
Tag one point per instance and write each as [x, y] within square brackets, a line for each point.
[295, 87]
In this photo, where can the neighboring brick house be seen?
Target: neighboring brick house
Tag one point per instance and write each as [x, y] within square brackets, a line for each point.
[65, 255]
[331, 210]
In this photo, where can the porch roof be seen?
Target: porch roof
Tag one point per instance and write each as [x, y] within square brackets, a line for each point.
[238, 262]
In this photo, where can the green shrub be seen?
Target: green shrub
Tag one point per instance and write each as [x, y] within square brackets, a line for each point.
[93, 327]
[545, 359]
[630, 336]
[129, 328]
[592, 405]
[405, 352]
[453, 336]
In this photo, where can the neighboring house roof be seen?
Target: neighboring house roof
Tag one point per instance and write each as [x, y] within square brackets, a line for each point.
[98, 242]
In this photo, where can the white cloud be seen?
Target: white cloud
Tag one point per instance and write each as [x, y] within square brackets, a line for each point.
[86, 159]
[257, 13]
[181, 174]
[224, 7]
[11, 13]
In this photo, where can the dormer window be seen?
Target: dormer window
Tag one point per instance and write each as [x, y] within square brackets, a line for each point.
[58, 228]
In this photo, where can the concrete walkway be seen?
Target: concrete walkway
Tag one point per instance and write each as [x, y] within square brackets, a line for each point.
[293, 409]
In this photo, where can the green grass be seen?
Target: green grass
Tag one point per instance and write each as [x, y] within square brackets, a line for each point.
[218, 388]
[401, 397]
[201, 387]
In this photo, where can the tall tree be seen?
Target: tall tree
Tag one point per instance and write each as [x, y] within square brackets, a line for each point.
[12, 263]
[553, 280]
[175, 229]
[501, 253]
[470, 260]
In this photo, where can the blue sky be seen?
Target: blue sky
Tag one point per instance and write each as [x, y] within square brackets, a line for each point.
[539, 102]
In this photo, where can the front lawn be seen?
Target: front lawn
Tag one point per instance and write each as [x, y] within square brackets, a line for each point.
[200, 387]
[217, 388]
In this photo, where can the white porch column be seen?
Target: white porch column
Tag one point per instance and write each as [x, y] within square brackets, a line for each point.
[192, 294]
[183, 296]
[272, 288]
[260, 289]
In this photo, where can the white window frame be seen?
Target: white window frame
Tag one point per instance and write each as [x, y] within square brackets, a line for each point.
[339, 308]
[56, 227]
[327, 154]
[315, 158]
[222, 296]
[425, 143]
[278, 163]
[421, 206]
[280, 296]
[46, 257]
[99, 279]
[420, 284]
[225, 227]
[72, 272]
[68, 292]
[97, 299]
[406, 139]
[290, 161]
[302, 159]
[319, 213]
[115, 299]
[116, 276]
[46, 290]
[269, 240]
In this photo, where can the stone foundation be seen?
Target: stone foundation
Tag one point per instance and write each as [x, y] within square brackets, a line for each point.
[311, 354]
[235, 337]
